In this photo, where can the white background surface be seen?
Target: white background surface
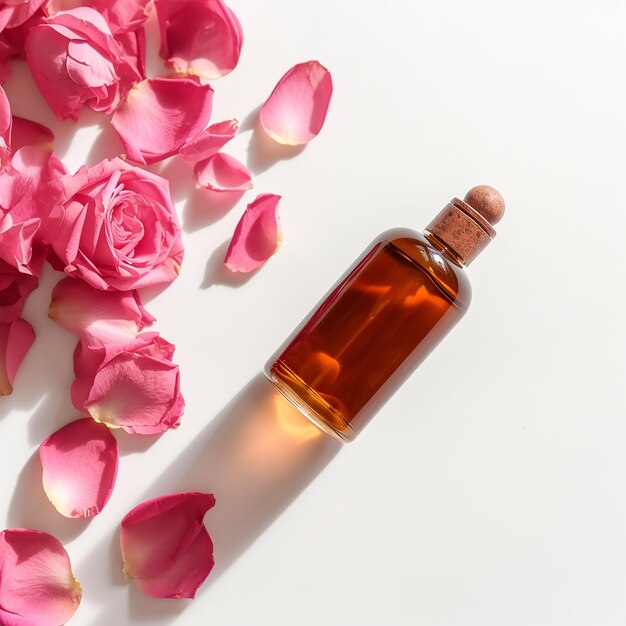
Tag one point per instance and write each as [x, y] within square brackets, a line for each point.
[491, 490]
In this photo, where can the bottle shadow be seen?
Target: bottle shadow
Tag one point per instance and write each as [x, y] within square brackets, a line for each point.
[257, 456]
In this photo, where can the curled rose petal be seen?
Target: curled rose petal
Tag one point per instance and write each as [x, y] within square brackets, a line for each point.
[133, 45]
[28, 133]
[122, 15]
[222, 172]
[16, 338]
[135, 387]
[16, 241]
[35, 170]
[296, 109]
[25, 198]
[79, 465]
[14, 289]
[257, 235]
[199, 37]
[160, 115]
[166, 548]
[89, 359]
[37, 587]
[209, 141]
[98, 317]
[5, 128]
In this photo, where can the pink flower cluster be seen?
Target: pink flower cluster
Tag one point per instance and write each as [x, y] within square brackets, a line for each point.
[112, 229]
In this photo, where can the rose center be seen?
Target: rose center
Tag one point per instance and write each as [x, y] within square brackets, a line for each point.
[126, 227]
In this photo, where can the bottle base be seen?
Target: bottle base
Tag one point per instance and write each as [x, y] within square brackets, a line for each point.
[345, 435]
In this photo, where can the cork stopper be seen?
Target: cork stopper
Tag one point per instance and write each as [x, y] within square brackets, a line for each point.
[465, 225]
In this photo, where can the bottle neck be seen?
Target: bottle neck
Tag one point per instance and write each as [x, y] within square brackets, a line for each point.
[461, 230]
[445, 249]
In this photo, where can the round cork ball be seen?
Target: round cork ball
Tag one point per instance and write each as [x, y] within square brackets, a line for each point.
[487, 201]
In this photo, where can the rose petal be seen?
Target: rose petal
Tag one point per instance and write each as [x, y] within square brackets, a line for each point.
[5, 128]
[166, 548]
[209, 141]
[222, 172]
[133, 45]
[199, 37]
[15, 287]
[86, 363]
[160, 115]
[122, 15]
[36, 172]
[137, 389]
[16, 241]
[28, 133]
[79, 464]
[37, 587]
[257, 235]
[26, 196]
[16, 338]
[89, 359]
[296, 109]
[98, 317]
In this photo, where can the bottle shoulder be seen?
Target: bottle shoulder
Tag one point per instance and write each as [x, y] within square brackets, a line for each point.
[449, 275]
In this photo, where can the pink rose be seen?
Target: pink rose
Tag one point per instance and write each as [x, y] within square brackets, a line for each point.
[115, 227]
[14, 289]
[75, 59]
[133, 386]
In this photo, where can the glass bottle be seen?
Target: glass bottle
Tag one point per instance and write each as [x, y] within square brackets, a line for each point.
[384, 316]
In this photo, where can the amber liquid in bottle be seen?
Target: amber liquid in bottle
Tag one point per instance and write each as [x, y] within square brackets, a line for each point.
[375, 326]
